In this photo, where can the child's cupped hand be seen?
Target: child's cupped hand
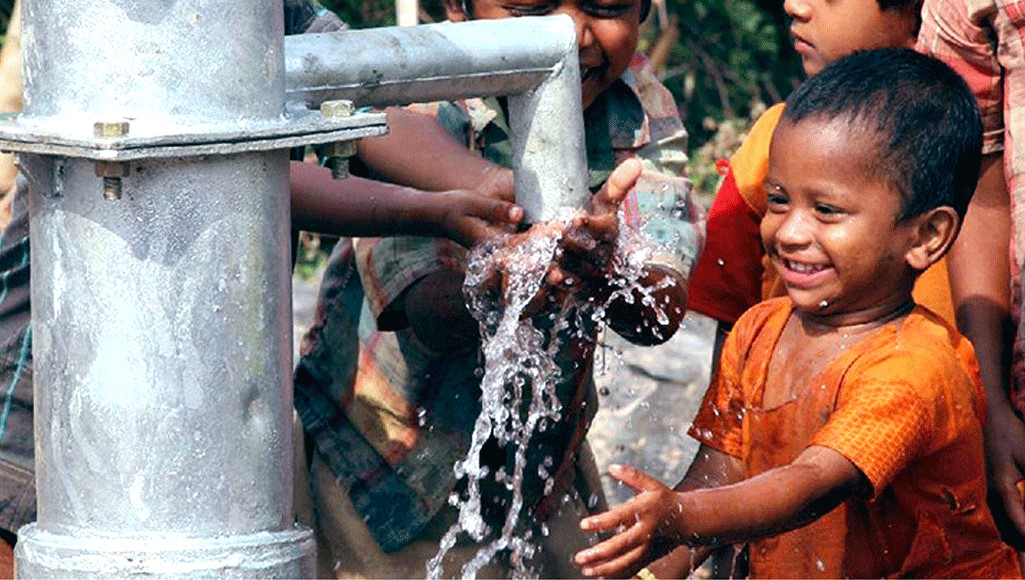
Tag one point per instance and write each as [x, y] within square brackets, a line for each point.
[586, 245]
[584, 262]
[641, 526]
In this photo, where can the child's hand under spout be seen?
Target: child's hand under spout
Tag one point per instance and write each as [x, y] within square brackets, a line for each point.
[583, 262]
[588, 244]
[469, 217]
[642, 527]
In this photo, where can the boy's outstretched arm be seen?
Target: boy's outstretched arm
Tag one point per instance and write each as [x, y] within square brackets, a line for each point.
[400, 157]
[710, 468]
[779, 500]
[362, 207]
[980, 284]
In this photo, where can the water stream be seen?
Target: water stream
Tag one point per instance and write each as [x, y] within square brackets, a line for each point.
[520, 376]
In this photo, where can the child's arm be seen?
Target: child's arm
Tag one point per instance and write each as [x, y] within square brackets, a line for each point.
[362, 207]
[435, 309]
[779, 500]
[710, 468]
[979, 282]
[441, 163]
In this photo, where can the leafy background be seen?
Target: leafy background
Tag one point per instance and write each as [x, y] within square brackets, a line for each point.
[724, 61]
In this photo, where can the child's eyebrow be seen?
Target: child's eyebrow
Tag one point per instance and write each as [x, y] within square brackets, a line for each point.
[772, 185]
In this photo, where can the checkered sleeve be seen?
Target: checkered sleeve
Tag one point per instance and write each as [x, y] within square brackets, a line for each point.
[389, 266]
[958, 32]
[307, 16]
[662, 205]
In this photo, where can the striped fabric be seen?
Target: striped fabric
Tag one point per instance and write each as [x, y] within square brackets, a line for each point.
[17, 483]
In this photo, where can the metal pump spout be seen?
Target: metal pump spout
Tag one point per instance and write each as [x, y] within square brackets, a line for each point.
[531, 60]
[155, 139]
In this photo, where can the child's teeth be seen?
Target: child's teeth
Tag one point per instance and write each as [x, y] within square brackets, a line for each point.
[803, 268]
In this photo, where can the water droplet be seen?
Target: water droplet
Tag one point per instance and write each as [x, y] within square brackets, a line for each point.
[721, 262]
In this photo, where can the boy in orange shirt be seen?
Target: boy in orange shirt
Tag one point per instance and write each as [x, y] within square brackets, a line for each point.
[732, 273]
[842, 435]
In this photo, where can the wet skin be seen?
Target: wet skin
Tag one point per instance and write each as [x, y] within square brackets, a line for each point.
[849, 263]
[831, 229]
[607, 32]
[826, 30]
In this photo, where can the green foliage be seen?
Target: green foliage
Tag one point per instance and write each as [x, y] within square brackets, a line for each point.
[731, 56]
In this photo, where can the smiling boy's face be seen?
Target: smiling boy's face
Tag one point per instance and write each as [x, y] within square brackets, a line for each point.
[831, 229]
[827, 30]
[607, 32]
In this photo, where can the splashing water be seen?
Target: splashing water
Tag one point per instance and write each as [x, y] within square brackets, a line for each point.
[519, 366]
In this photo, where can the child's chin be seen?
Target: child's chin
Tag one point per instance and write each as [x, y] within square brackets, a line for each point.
[809, 304]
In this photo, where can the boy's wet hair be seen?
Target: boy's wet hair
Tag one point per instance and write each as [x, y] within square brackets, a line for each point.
[925, 119]
[467, 6]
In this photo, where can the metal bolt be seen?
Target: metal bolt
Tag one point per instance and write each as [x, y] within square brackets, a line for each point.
[337, 154]
[344, 149]
[337, 109]
[110, 130]
[111, 188]
[111, 172]
[339, 167]
[337, 157]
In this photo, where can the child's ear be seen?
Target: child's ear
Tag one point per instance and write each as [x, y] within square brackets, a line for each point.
[934, 232]
[455, 10]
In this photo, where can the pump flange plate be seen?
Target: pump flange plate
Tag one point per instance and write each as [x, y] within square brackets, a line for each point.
[296, 129]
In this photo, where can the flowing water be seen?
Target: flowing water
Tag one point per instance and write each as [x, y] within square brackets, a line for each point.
[520, 372]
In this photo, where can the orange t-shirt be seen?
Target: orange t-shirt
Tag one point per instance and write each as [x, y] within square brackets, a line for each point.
[904, 405]
[733, 272]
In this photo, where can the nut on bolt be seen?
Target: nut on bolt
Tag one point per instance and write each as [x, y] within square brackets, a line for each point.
[337, 109]
[111, 172]
[336, 157]
[110, 130]
[337, 154]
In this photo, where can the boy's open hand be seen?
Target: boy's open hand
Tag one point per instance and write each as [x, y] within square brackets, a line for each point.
[588, 244]
[639, 525]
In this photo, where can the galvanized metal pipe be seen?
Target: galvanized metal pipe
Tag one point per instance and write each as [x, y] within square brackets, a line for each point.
[161, 315]
[532, 60]
[161, 321]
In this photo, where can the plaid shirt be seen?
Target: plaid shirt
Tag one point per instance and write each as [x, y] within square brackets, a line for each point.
[17, 476]
[984, 41]
[392, 417]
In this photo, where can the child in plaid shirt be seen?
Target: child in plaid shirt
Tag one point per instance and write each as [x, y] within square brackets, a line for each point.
[389, 425]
